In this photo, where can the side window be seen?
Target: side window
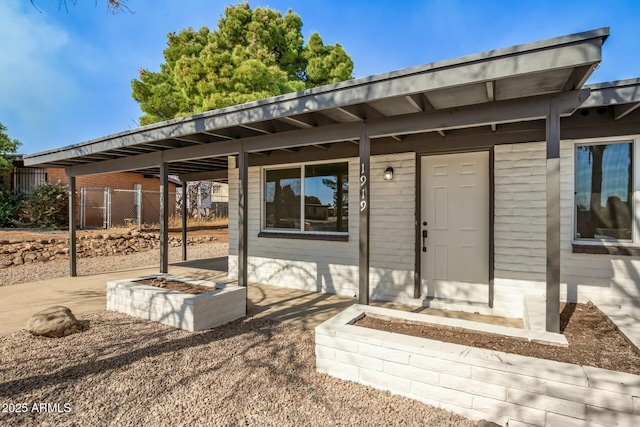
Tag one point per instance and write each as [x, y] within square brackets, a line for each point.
[604, 191]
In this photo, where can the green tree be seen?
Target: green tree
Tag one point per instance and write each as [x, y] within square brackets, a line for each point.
[8, 147]
[254, 54]
[9, 202]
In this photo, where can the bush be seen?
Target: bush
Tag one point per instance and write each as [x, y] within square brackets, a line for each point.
[10, 204]
[49, 205]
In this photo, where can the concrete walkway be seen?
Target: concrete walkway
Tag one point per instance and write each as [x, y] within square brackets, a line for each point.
[87, 294]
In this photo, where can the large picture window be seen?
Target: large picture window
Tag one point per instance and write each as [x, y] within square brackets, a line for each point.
[309, 198]
[603, 191]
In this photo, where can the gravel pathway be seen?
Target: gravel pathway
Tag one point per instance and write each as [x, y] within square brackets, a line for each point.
[130, 372]
[96, 265]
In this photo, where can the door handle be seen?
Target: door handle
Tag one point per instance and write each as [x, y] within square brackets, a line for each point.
[425, 234]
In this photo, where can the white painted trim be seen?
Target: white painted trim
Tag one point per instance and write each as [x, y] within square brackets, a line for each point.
[635, 233]
[301, 165]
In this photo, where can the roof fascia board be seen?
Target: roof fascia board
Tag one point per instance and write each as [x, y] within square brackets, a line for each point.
[563, 52]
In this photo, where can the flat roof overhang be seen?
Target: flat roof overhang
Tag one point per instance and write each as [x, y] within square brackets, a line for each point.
[487, 89]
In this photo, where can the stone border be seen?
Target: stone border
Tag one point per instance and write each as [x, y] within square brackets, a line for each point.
[223, 304]
[476, 383]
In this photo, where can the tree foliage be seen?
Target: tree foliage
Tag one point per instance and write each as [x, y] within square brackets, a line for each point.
[254, 54]
[8, 146]
[48, 205]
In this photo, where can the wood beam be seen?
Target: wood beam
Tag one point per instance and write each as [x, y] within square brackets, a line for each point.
[494, 127]
[348, 113]
[205, 176]
[296, 121]
[619, 111]
[533, 108]
[258, 127]
[416, 102]
[441, 132]
[491, 91]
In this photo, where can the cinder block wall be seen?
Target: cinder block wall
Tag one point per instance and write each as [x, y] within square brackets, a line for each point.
[332, 267]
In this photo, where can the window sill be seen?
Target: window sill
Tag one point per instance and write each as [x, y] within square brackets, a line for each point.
[305, 236]
[626, 249]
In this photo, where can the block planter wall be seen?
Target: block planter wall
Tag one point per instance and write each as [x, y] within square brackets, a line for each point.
[223, 304]
[480, 384]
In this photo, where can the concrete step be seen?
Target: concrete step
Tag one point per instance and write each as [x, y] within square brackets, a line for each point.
[457, 305]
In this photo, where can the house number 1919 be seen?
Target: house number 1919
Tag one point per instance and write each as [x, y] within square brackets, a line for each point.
[363, 191]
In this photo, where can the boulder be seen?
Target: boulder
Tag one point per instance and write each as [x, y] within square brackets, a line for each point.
[55, 322]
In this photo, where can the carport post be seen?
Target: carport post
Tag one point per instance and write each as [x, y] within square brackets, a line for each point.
[72, 226]
[365, 151]
[553, 218]
[243, 176]
[164, 217]
[184, 220]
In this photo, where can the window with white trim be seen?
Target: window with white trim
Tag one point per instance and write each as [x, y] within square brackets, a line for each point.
[604, 188]
[310, 198]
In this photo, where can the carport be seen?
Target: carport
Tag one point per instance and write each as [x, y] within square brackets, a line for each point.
[516, 94]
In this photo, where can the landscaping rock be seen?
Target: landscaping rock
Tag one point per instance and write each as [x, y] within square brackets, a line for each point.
[54, 322]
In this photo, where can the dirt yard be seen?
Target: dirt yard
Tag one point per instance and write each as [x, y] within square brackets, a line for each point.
[592, 340]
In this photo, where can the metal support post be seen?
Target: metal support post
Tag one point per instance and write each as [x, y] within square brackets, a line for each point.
[72, 226]
[553, 218]
[164, 217]
[365, 152]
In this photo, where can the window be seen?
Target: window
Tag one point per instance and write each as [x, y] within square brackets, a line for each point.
[310, 198]
[604, 191]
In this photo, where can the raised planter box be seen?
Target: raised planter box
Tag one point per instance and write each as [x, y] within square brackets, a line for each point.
[479, 384]
[223, 304]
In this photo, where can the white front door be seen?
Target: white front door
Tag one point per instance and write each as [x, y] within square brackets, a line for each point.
[455, 208]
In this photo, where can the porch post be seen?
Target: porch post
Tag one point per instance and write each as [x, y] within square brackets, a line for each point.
[72, 226]
[553, 218]
[164, 217]
[243, 176]
[184, 220]
[365, 151]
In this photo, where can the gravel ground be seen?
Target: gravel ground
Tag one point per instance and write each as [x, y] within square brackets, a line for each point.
[96, 265]
[129, 372]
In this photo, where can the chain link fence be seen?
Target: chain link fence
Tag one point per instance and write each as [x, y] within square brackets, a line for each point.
[108, 207]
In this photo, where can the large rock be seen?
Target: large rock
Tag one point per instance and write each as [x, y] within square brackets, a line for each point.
[55, 322]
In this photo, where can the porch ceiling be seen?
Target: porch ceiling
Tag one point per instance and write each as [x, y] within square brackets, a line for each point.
[476, 90]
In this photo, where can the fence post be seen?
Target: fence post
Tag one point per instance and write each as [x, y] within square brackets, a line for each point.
[82, 207]
[139, 212]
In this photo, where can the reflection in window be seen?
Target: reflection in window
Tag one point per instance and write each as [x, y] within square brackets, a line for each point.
[282, 194]
[326, 196]
[603, 191]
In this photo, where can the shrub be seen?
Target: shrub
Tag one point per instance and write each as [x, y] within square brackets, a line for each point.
[49, 205]
[10, 204]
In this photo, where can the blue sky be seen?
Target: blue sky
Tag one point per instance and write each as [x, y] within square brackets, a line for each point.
[65, 77]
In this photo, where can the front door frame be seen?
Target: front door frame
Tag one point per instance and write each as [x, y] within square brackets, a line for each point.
[417, 291]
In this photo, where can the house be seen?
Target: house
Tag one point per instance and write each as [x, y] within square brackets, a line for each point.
[106, 199]
[497, 181]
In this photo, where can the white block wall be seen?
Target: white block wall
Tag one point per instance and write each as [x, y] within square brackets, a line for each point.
[480, 384]
[520, 235]
[332, 267]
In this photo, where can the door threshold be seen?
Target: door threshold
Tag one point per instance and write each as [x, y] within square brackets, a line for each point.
[456, 305]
